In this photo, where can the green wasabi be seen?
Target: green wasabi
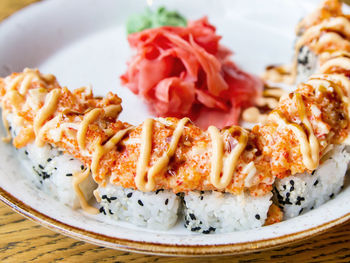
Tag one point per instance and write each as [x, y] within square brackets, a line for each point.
[153, 19]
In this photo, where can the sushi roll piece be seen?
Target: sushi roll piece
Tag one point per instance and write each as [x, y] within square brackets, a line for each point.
[52, 171]
[154, 210]
[50, 168]
[300, 193]
[321, 36]
[215, 212]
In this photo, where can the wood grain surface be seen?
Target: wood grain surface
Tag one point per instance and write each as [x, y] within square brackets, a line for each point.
[22, 240]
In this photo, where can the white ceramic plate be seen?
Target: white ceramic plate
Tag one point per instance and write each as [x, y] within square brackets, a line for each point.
[84, 42]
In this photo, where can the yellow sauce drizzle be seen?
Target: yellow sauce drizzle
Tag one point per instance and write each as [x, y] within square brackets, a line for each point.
[23, 89]
[78, 178]
[112, 111]
[340, 62]
[147, 183]
[101, 150]
[145, 153]
[309, 147]
[97, 195]
[229, 164]
[90, 117]
[50, 106]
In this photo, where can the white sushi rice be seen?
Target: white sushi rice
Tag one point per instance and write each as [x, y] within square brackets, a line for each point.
[210, 211]
[300, 193]
[155, 210]
[51, 170]
[307, 64]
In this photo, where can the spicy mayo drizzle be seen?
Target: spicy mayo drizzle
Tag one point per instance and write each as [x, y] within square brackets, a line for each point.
[78, 178]
[309, 145]
[219, 164]
[50, 106]
[145, 180]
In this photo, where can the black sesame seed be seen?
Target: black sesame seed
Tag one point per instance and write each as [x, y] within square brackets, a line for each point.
[299, 199]
[291, 189]
[110, 212]
[212, 229]
[257, 216]
[316, 182]
[206, 232]
[291, 182]
[201, 197]
[140, 202]
[41, 167]
[69, 174]
[192, 216]
[113, 198]
[45, 175]
[102, 210]
[202, 192]
[71, 159]
[313, 172]
[312, 208]
[49, 160]
[129, 195]
[82, 167]
[284, 187]
[10, 128]
[159, 190]
[166, 201]
[187, 222]
[55, 168]
[178, 194]
[331, 196]
[301, 210]
[288, 194]
[195, 229]
[288, 202]
[26, 152]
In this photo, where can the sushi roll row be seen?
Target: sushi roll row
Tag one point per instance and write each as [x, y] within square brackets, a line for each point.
[166, 168]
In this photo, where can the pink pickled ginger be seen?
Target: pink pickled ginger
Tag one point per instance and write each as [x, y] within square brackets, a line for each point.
[184, 71]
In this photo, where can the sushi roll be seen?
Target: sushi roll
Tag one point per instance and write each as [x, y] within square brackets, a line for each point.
[154, 210]
[50, 168]
[321, 36]
[300, 193]
[215, 212]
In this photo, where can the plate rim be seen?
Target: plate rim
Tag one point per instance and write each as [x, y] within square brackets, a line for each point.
[159, 249]
[151, 248]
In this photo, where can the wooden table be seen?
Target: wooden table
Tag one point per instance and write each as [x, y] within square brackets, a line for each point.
[23, 240]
